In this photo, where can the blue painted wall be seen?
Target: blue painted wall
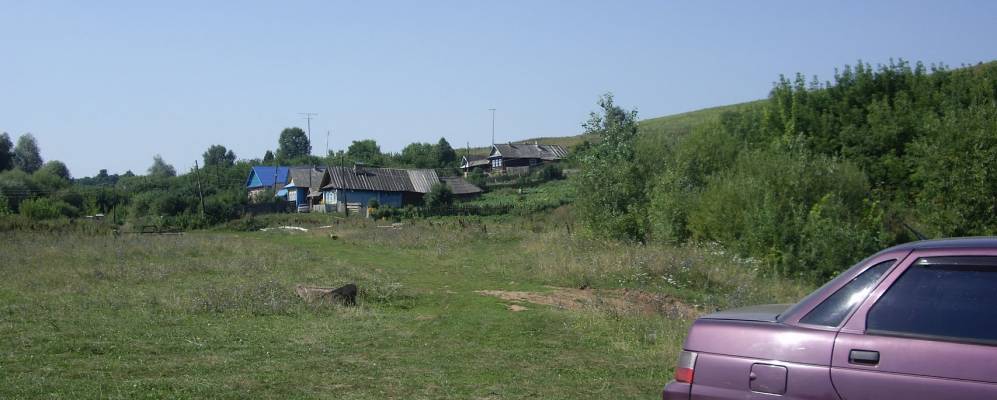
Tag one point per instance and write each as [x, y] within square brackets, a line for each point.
[393, 199]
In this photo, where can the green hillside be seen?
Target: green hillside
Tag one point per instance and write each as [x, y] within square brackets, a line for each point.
[678, 124]
[675, 124]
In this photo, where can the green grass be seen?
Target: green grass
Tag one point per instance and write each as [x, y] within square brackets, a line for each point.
[213, 314]
[681, 124]
[545, 196]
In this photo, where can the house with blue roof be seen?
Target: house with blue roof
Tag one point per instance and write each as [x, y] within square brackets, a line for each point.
[266, 177]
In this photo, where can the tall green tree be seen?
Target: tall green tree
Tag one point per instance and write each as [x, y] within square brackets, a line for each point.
[218, 155]
[268, 157]
[614, 203]
[160, 168]
[365, 151]
[293, 143]
[419, 155]
[6, 152]
[445, 154]
[27, 156]
[57, 168]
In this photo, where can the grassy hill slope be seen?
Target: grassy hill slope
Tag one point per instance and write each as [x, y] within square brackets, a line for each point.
[676, 124]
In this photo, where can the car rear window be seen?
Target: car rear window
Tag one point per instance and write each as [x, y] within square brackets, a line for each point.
[948, 298]
[833, 310]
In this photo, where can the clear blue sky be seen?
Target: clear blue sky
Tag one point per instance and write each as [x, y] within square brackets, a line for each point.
[106, 84]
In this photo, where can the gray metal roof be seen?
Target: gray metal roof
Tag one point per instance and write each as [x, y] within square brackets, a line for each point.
[472, 161]
[381, 179]
[423, 179]
[299, 177]
[475, 160]
[459, 186]
[548, 152]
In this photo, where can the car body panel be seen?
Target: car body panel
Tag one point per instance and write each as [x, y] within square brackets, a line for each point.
[910, 367]
[741, 349]
[760, 340]
[728, 378]
[676, 391]
[760, 313]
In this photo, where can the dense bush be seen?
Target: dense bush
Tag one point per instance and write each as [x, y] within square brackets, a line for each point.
[43, 208]
[477, 178]
[439, 196]
[762, 205]
[817, 176]
[4, 205]
[224, 206]
[955, 170]
[549, 172]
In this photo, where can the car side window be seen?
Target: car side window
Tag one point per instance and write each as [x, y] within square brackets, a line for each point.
[833, 310]
[947, 298]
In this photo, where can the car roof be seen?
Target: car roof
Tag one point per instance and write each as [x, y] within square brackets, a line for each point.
[986, 242]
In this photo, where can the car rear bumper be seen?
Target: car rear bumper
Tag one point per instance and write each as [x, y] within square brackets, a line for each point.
[676, 391]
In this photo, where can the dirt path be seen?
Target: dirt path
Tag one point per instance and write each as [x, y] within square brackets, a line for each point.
[615, 300]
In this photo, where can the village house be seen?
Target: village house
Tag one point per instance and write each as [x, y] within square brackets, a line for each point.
[263, 177]
[354, 187]
[304, 188]
[519, 157]
[524, 155]
[473, 162]
[341, 189]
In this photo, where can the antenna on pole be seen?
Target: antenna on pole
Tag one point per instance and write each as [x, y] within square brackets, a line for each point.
[309, 116]
[327, 143]
[493, 125]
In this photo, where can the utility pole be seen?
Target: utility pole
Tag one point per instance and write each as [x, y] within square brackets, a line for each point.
[309, 116]
[197, 175]
[493, 125]
[327, 143]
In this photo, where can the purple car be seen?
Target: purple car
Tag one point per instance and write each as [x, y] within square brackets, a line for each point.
[915, 321]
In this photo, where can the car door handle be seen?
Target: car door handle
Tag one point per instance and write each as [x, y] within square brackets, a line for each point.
[863, 357]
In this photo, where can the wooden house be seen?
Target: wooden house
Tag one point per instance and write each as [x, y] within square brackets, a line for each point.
[263, 177]
[304, 188]
[473, 162]
[354, 187]
[504, 156]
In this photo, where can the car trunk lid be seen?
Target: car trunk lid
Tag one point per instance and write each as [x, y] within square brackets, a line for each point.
[761, 313]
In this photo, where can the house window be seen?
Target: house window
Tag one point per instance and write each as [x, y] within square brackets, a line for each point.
[497, 163]
[534, 161]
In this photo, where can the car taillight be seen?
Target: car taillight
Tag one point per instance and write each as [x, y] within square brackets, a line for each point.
[685, 369]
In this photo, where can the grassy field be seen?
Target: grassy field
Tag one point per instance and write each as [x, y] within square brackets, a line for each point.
[214, 314]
